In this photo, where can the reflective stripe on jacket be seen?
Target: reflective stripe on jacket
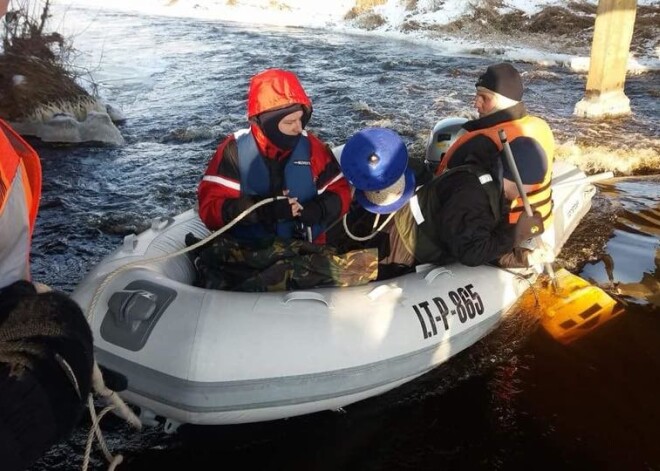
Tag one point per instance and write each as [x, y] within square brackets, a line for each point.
[20, 191]
[540, 195]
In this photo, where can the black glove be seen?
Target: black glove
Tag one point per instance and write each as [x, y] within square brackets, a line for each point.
[276, 211]
[312, 213]
[527, 227]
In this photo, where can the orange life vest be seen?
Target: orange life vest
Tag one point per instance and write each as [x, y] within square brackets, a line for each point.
[540, 195]
[20, 191]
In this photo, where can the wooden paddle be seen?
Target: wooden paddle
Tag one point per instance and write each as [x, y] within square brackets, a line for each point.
[573, 307]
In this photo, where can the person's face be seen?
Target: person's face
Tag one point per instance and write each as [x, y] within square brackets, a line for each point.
[3, 7]
[291, 124]
[484, 102]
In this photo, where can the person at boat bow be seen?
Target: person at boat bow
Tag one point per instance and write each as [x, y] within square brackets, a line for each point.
[275, 156]
[459, 216]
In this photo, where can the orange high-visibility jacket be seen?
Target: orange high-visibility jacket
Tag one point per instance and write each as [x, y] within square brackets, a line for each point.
[20, 191]
[540, 196]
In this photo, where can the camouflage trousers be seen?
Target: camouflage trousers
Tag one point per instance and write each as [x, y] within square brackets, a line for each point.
[280, 265]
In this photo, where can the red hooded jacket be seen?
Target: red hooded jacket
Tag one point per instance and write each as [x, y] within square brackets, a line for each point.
[219, 193]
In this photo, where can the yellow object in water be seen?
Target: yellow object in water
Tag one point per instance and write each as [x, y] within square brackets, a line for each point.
[575, 308]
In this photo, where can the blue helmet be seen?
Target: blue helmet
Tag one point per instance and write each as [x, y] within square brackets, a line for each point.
[375, 161]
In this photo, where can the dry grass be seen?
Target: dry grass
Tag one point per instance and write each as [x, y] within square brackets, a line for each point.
[370, 21]
[582, 7]
[44, 82]
[556, 21]
[361, 7]
[409, 26]
[568, 27]
[559, 21]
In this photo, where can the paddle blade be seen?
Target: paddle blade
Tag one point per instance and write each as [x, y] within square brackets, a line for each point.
[576, 308]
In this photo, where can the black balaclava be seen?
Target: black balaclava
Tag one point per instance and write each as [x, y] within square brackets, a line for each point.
[269, 120]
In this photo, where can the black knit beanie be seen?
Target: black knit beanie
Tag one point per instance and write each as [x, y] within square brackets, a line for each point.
[503, 79]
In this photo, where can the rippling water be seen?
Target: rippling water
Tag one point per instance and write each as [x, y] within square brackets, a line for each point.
[516, 400]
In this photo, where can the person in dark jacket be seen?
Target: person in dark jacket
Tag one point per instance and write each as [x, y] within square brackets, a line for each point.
[274, 157]
[46, 360]
[498, 101]
[460, 216]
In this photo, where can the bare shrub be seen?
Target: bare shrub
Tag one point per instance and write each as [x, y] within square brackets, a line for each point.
[24, 31]
[35, 66]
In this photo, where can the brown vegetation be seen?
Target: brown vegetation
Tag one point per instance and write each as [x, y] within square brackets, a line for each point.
[559, 26]
[33, 71]
[370, 21]
[362, 6]
[44, 82]
[568, 27]
[551, 24]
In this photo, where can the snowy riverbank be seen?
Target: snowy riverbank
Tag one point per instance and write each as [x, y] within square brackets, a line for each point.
[548, 32]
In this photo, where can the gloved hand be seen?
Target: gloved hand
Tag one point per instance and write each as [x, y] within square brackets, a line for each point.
[312, 213]
[540, 255]
[280, 209]
[528, 227]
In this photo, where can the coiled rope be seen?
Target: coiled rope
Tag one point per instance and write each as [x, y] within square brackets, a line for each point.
[373, 228]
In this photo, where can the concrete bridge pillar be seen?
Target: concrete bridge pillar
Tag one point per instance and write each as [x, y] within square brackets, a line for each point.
[615, 21]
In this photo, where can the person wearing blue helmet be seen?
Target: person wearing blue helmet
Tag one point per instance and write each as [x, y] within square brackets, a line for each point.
[459, 216]
[375, 161]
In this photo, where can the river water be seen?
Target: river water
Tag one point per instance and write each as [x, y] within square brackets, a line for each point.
[518, 399]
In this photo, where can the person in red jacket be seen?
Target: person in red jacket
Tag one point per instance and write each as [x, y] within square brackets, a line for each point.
[275, 156]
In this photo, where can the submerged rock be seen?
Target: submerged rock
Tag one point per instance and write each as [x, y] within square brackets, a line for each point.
[66, 128]
[115, 114]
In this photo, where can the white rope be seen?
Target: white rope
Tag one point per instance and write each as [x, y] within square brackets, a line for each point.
[376, 219]
[118, 406]
[91, 309]
[369, 236]
[113, 398]
[96, 430]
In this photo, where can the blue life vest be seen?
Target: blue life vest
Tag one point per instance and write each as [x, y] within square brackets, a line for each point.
[255, 180]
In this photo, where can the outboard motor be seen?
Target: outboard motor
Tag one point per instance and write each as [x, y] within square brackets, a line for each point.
[444, 133]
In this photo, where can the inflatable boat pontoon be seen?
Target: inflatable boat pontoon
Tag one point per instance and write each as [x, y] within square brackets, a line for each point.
[190, 355]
